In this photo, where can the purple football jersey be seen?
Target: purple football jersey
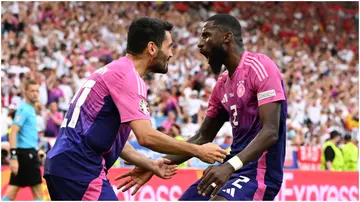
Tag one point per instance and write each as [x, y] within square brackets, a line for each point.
[256, 81]
[95, 128]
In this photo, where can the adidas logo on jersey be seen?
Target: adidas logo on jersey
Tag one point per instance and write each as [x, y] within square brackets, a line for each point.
[225, 99]
[230, 191]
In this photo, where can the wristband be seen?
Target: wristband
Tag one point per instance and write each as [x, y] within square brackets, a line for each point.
[13, 154]
[236, 163]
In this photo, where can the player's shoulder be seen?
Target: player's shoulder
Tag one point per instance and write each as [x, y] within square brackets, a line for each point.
[260, 64]
[117, 69]
[121, 65]
[258, 58]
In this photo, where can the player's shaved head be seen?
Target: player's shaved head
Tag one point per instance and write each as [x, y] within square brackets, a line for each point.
[227, 23]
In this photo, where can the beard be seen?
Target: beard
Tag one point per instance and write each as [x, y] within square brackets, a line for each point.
[159, 64]
[217, 59]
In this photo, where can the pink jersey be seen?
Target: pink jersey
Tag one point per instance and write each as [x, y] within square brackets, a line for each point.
[255, 82]
[95, 128]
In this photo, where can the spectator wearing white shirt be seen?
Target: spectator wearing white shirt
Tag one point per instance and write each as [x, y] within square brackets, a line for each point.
[314, 111]
[225, 130]
[193, 105]
[79, 79]
[68, 94]
[188, 129]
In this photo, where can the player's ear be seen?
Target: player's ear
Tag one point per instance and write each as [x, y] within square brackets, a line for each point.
[228, 37]
[152, 48]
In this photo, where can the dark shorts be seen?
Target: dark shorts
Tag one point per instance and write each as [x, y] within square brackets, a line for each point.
[63, 189]
[29, 173]
[242, 186]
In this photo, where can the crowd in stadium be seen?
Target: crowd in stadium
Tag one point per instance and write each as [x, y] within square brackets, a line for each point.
[59, 44]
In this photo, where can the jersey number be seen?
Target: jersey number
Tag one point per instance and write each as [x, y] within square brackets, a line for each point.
[235, 122]
[242, 179]
[76, 113]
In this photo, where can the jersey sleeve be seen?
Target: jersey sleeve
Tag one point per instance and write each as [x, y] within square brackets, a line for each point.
[266, 79]
[20, 117]
[214, 102]
[124, 90]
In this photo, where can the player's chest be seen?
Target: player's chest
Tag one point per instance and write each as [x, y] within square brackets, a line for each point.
[237, 94]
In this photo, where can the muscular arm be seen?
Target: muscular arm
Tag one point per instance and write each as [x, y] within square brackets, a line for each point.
[130, 154]
[207, 132]
[157, 141]
[268, 136]
[160, 142]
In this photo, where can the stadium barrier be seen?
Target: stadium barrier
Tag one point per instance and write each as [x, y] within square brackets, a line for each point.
[297, 186]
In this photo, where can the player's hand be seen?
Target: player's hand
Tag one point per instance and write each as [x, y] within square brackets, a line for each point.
[211, 153]
[14, 166]
[214, 174]
[163, 169]
[139, 176]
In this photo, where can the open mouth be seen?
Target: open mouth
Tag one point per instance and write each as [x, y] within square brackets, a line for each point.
[205, 54]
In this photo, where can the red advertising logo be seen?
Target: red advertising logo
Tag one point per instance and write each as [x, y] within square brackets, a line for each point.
[309, 158]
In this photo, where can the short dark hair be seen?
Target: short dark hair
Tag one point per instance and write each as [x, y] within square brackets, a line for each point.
[347, 137]
[161, 129]
[30, 82]
[144, 30]
[228, 23]
[334, 134]
[176, 126]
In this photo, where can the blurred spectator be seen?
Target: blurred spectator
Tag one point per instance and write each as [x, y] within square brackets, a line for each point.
[314, 141]
[170, 121]
[315, 45]
[55, 93]
[227, 143]
[54, 120]
[68, 93]
[351, 154]
[161, 129]
[175, 132]
[168, 103]
[193, 105]
[188, 128]
[332, 157]
[79, 79]
[223, 133]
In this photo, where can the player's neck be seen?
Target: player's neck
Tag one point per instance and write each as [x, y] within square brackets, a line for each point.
[140, 64]
[233, 59]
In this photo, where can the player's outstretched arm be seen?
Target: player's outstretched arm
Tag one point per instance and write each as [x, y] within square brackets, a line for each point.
[157, 141]
[207, 132]
[268, 136]
[162, 170]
